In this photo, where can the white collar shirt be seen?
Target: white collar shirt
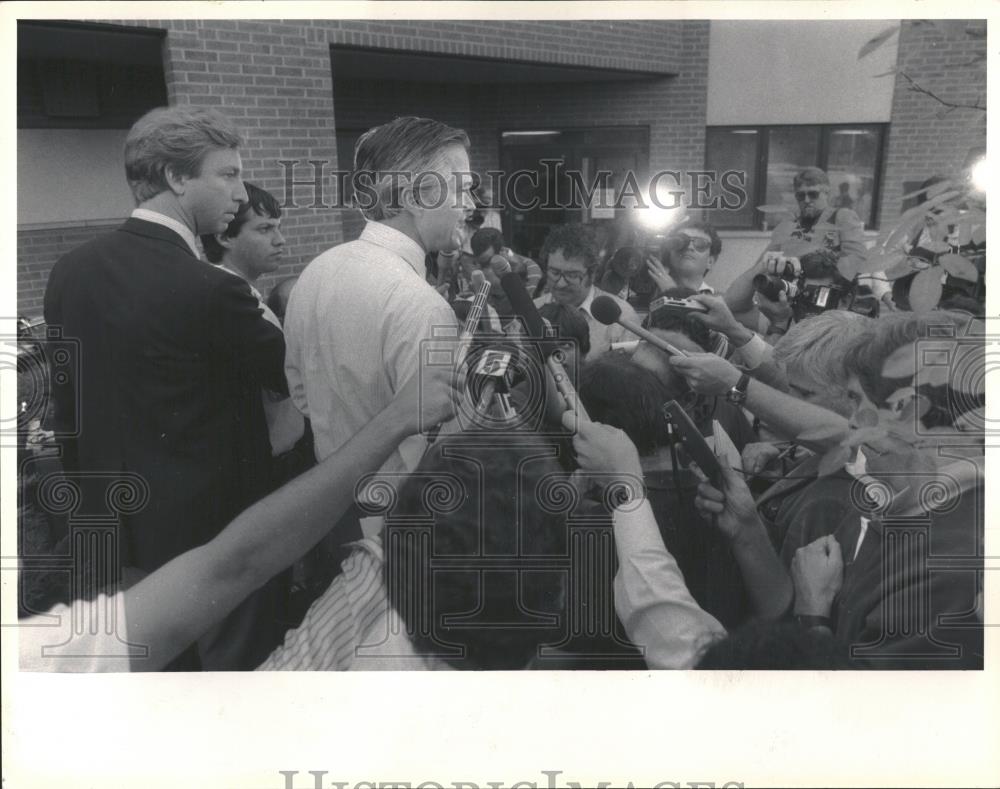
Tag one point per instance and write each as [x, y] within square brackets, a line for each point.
[178, 227]
[360, 321]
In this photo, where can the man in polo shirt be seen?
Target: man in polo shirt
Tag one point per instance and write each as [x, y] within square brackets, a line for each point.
[362, 313]
[571, 255]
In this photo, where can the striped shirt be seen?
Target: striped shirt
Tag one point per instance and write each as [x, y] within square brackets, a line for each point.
[351, 626]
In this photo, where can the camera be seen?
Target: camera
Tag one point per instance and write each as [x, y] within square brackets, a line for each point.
[790, 275]
[773, 287]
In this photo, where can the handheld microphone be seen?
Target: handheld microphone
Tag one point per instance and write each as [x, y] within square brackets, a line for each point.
[482, 287]
[524, 306]
[606, 310]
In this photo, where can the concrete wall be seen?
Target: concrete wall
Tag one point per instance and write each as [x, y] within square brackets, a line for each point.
[775, 72]
[71, 175]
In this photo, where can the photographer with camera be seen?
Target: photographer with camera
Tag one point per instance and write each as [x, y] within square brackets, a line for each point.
[808, 266]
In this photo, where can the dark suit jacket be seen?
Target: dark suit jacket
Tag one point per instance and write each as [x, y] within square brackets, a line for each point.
[173, 354]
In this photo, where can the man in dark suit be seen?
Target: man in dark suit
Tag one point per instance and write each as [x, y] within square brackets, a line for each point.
[174, 353]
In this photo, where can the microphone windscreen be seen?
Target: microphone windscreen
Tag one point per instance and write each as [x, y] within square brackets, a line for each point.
[500, 265]
[478, 278]
[605, 309]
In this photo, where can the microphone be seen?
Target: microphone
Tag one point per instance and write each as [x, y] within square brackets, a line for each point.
[524, 307]
[482, 288]
[606, 310]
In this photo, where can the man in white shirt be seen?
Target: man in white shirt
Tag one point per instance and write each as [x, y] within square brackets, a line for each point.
[571, 255]
[362, 317]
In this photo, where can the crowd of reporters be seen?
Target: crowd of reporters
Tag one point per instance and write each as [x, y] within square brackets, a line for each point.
[633, 470]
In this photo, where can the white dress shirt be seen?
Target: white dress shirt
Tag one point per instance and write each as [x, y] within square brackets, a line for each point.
[651, 598]
[360, 321]
[178, 227]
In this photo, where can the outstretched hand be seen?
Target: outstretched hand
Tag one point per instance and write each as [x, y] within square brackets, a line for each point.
[602, 449]
[706, 373]
[429, 398]
[731, 509]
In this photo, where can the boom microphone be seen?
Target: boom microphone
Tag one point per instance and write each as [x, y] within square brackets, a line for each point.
[524, 307]
[606, 310]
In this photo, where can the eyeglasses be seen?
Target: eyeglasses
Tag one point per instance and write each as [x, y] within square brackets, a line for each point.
[812, 194]
[572, 277]
[681, 241]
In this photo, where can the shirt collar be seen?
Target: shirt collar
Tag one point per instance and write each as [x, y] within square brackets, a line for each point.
[585, 305]
[706, 288]
[389, 238]
[161, 219]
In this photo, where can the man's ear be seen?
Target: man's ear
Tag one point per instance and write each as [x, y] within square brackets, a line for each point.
[175, 181]
[408, 200]
[223, 240]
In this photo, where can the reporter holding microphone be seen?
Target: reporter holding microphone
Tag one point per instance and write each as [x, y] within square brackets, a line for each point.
[570, 253]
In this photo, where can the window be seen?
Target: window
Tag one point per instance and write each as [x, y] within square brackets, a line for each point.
[584, 152]
[770, 156]
[87, 76]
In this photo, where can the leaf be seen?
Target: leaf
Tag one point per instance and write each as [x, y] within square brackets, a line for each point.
[898, 399]
[850, 266]
[915, 409]
[979, 235]
[903, 269]
[820, 433]
[958, 266]
[834, 460]
[902, 362]
[866, 417]
[933, 189]
[925, 290]
[864, 436]
[874, 43]
[878, 259]
[900, 232]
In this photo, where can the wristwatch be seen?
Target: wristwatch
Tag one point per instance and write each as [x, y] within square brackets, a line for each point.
[738, 394]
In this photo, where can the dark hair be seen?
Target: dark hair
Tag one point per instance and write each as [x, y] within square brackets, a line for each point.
[463, 502]
[765, 644]
[569, 323]
[674, 320]
[261, 201]
[485, 238]
[618, 392]
[277, 299]
[575, 241]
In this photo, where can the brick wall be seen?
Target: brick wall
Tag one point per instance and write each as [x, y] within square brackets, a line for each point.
[37, 250]
[925, 138]
[274, 78]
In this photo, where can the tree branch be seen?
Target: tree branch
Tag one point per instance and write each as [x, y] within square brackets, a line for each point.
[949, 104]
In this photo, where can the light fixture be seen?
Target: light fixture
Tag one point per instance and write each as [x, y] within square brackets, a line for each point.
[530, 133]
